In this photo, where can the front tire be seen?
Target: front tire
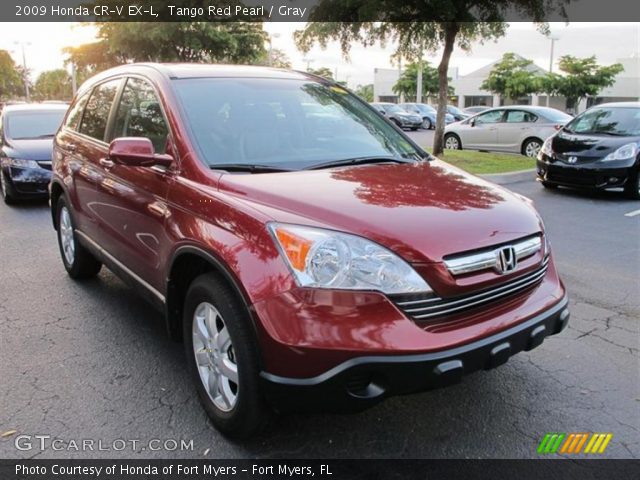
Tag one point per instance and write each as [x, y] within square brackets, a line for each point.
[78, 261]
[452, 142]
[632, 188]
[426, 124]
[222, 355]
[7, 196]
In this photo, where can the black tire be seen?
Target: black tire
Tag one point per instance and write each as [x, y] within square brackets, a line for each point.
[632, 188]
[250, 413]
[7, 196]
[426, 124]
[413, 129]
[531, 145]
[550, 186]
[83, 264]
[453, 140]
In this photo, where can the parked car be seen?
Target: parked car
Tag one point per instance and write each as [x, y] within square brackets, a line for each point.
[428, 114]
[399, 116]
[598, 149]
[26, 142]
[475, 109]
[457, 114]
[302, 270]
[517, 129]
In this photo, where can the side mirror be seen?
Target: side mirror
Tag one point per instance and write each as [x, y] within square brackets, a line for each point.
[136, 152]
[472, 122]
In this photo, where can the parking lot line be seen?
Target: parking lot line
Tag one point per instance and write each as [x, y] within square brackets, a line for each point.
[632, 214]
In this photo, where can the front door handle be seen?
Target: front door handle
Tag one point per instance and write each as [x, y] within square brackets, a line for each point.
[106, 163]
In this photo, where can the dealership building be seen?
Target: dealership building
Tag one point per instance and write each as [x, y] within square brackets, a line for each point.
[468, 91]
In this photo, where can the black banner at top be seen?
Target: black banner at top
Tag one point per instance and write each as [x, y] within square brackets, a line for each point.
[315, 10]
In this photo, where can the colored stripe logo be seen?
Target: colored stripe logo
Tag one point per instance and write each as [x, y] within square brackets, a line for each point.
[573, 443]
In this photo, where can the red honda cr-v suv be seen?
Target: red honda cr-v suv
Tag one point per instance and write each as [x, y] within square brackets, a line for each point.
[309, 254]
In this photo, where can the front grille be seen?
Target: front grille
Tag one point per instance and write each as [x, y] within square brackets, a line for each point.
[429, 306]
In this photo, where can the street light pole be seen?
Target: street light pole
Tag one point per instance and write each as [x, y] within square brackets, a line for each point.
[25, 77]
[553, 39]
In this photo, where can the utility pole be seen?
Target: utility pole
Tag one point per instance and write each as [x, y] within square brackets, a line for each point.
[25, 75]
[419, 83]
[553, 39]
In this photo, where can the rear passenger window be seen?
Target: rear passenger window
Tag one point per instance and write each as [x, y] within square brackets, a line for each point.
[76, 112]
[96, 113]
[139, 115]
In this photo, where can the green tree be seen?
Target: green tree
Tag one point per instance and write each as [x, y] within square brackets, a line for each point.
[407, 84]
[365, 92]
[53, 85]
[460, 22]
[11, 79]
[513, 77]
[324, 72]
[91, 58]
[582, 78]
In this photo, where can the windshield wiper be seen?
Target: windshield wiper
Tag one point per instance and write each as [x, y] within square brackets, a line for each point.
[252, 168]
[358, 161]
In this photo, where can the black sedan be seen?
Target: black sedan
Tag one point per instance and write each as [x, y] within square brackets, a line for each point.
[26, 144]
[398, 115]
[599, 149]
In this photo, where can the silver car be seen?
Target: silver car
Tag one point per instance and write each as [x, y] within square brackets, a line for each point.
[518, 129]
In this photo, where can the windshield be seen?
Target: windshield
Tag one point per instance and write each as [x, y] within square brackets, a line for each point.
[423, 107]
[454, 110]
[395, 109]
[288, 124]
[34, 124]
[620, 121]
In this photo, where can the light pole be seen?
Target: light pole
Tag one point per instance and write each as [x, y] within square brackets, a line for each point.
[271, 37]
[553, 39]
[308, 60]
[25, 76]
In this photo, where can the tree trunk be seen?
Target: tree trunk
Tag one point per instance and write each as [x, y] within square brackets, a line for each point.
[450, 33]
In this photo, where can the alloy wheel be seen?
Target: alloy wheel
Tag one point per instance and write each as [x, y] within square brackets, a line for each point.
[214, 356]
[66, 236]
[451, 143]
[532, 148]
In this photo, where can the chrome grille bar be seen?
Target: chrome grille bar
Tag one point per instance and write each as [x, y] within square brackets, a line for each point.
[459, 265]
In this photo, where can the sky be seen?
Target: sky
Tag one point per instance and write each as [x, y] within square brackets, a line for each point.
[43, 43]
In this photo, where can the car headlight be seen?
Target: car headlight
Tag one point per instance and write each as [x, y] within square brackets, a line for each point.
[21, 163]
[328, 259]
[625, 152]
[546, 148]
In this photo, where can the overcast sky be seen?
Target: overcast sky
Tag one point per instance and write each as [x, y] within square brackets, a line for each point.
[609, 42]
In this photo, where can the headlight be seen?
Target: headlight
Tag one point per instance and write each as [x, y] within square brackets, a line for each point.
[327, 259]
[630, 150]
[19, 162]
[546, 147]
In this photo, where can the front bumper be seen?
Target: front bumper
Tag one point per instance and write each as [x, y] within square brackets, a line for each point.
[28, 182]
[361, 382]
[596, 176]
[410, 122]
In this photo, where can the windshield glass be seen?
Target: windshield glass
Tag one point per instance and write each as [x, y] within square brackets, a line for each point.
[454, 110]
[289, 124]
[426, 108]
[620, 121]
[395, 109]
[34, 124]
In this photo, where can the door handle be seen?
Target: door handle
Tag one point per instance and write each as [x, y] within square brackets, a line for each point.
[71, 147]
[106, 163]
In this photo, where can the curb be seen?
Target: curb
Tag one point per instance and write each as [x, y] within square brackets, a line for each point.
[511, 177]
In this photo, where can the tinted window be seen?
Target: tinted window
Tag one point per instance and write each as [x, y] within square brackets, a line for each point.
[609, 121]
[76, 112]
[96, 114]
[520, 116]
[263, 121]
[139, 115]
[489, 117]
[33, 124]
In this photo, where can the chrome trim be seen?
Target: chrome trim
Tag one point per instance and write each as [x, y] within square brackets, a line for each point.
[135, 276]
[436, 306]
[491, 258]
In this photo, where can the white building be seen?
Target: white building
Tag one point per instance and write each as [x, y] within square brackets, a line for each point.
[468, 91]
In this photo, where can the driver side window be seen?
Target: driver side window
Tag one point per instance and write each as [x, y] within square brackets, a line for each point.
[490, 117]
[140, 115]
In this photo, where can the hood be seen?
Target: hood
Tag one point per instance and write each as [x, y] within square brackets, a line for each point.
[39, 149]
[587, 147]
[421, 211]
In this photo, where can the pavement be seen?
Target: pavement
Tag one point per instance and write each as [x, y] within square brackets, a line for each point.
[91, 361]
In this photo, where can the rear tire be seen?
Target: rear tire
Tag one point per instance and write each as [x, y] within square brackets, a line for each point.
[426, 124]
[222, 355]
[632, 188]
[7, 196]
[452, 142]
[531, 147]
[78, 261]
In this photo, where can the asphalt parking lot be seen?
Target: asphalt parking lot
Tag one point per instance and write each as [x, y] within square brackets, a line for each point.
[91, 361]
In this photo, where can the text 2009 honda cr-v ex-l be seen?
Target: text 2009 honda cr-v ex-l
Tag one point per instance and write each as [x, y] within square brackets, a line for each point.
[306, 251]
